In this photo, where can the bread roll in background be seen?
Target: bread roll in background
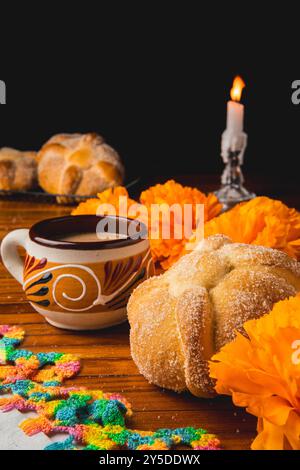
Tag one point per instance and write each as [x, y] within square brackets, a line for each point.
[18, 170]
[80, 164]
[179, 319]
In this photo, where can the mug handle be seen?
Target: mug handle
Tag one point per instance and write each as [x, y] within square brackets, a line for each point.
[9, 252]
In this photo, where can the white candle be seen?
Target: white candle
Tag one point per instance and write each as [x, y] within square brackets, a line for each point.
[235, 117]
[233, 138]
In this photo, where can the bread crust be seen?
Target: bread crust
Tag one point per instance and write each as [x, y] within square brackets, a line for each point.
[18, 170]
[181, 318]
[195, 329]
[80, 164]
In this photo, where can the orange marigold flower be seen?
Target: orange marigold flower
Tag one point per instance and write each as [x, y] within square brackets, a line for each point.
[112, 201]
[168, 250]
[261, 221]
[262, 373]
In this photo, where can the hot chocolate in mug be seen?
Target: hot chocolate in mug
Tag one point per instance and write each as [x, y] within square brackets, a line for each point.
[76, 281]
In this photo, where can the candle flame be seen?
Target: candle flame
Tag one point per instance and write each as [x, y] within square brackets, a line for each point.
[236, 90]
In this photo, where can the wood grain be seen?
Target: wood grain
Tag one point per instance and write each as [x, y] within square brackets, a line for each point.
[106, 360]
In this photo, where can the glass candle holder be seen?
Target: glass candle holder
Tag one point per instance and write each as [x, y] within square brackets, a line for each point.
[232, 190]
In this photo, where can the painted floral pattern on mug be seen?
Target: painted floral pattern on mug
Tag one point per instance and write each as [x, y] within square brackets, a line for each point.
[92, 287]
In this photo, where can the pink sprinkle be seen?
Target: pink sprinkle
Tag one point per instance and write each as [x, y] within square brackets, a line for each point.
[115, 396]
[74, 366]
[77, 432]
[61, 429]
[4, 329]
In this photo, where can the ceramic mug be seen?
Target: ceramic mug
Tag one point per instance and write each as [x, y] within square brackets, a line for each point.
[79, 285]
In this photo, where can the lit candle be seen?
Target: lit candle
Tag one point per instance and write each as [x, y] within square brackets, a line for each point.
[235, 110]
[233, 145]
[233, 138]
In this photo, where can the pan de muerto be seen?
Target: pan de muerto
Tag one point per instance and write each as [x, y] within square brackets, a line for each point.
[181, 318]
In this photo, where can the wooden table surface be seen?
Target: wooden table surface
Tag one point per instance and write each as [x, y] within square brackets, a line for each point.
[105, 354]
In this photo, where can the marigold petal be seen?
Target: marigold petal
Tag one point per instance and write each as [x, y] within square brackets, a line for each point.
[261, 221]
[260, 373]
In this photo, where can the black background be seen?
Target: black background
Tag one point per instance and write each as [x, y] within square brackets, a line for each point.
[153, 82]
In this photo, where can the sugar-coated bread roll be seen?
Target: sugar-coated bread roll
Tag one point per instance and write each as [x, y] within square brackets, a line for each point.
[81, 164]
[18, 170]
[181, 318]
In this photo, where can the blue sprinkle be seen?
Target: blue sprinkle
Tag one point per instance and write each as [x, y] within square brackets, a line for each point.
[52, 383]
[22, 387]
[5, 388]
[67, 415]
[135, 440]
[10, 341]
[68, 444]
[39, 396]
[48, 358]
[20, 353]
